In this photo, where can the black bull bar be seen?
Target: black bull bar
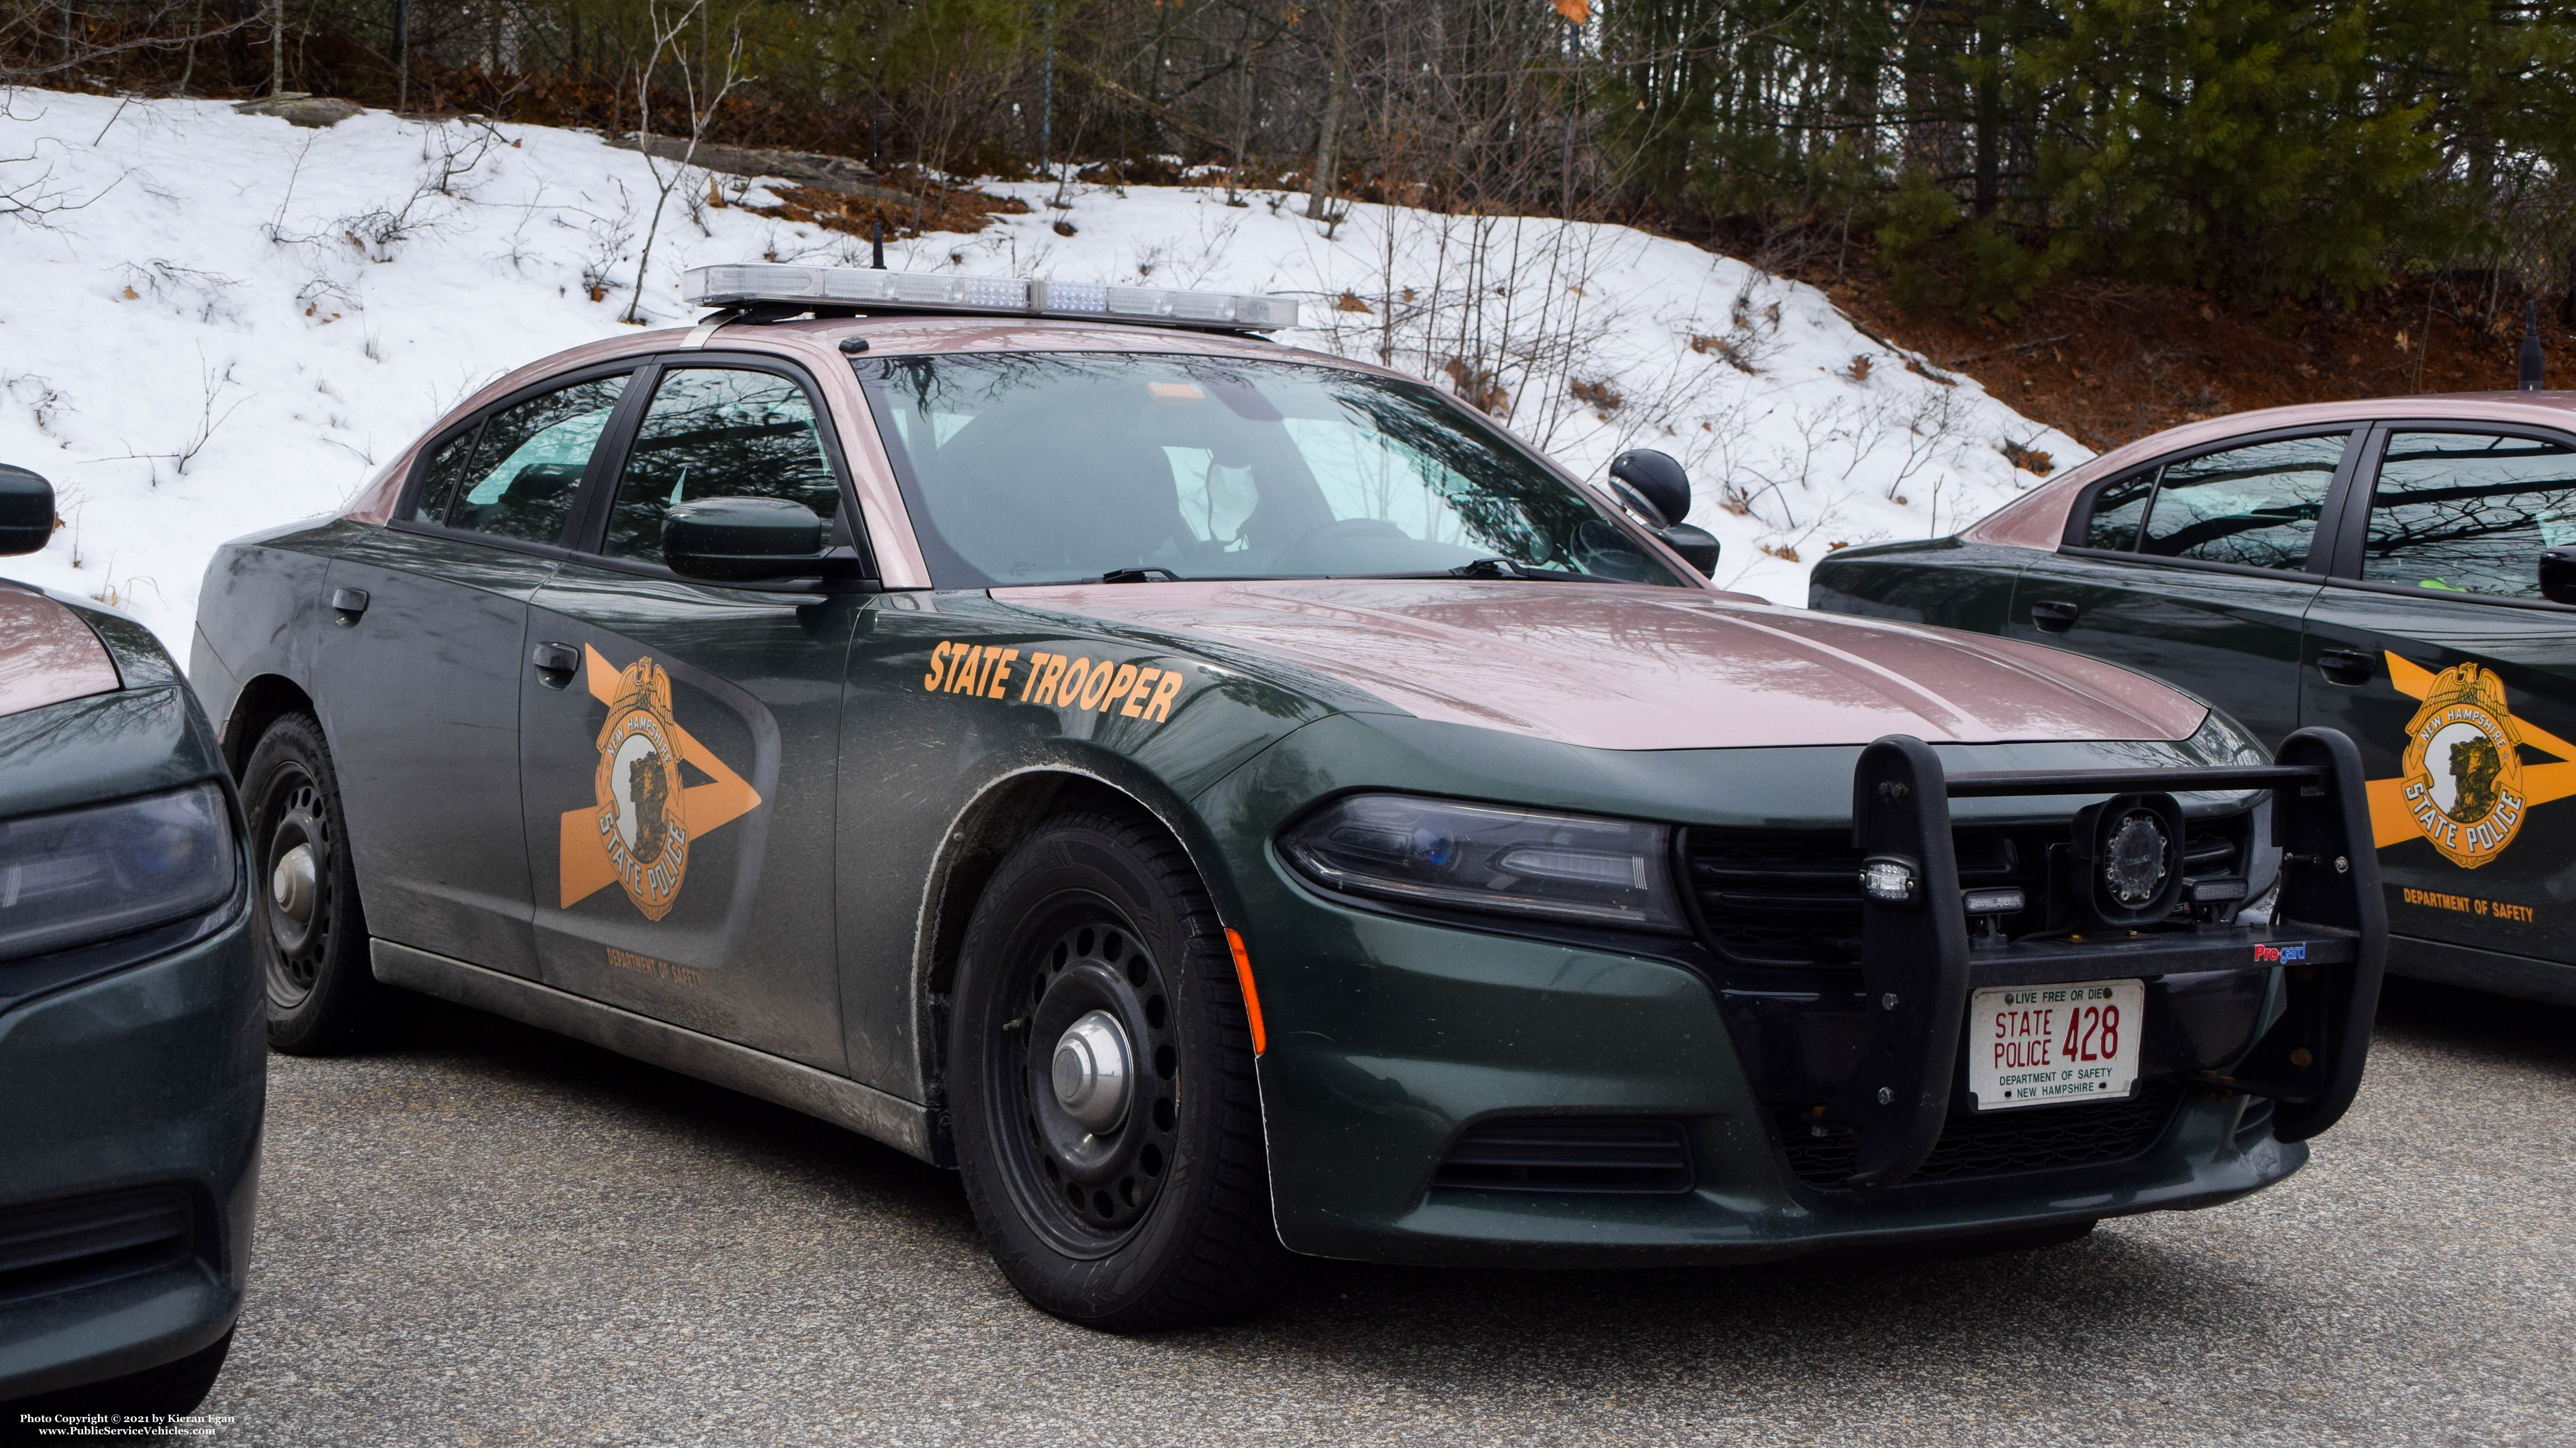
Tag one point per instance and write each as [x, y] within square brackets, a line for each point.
[1918, 967]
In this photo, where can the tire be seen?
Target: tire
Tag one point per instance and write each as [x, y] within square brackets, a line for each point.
[172, 1388]
[323, 997]
[1096, 927]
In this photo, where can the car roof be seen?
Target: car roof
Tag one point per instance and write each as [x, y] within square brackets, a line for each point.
[2038, 519]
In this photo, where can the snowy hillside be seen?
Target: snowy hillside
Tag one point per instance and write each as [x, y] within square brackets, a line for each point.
[215, 322]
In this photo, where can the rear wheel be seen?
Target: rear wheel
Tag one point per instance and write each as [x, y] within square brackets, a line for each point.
[323, 996]
[1100, 1075]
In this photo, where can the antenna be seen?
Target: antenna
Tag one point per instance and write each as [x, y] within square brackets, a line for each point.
[876, 238]
[2533, 360]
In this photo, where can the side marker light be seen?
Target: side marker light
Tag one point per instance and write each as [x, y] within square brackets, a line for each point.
[1251, 997]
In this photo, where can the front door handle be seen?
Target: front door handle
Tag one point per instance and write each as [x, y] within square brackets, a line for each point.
[555, 663]
[2345, 666]
[2053, 616]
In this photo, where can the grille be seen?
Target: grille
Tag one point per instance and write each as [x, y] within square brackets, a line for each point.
[1792, 897]
[1560, 1154]
[1974, 1145]
[64, 1246]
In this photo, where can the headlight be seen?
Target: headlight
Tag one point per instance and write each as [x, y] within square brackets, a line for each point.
[87, 874]
[1476, 857]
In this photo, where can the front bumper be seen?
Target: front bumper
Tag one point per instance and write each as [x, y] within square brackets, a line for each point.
[130, 1114]
[1394, 1042]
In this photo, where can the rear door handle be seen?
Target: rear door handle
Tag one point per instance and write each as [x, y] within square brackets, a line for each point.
[2344, 666]
[555, 664]
[2053, 616]
[348, 603]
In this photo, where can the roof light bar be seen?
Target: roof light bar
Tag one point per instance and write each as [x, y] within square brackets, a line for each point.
[745, 283]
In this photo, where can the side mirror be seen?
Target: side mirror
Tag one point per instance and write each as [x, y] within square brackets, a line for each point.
[1697, 546]
[742, 539]
[1643, 475]
[26, 511]
[2558, 575]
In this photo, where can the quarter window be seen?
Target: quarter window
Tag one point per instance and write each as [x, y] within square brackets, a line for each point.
[529, 464]
[2117, 511]
[448, 469]
[2458, 512]
[718, 432]
[2255, 506]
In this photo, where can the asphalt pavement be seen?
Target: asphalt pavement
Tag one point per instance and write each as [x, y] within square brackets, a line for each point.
[496, 1236]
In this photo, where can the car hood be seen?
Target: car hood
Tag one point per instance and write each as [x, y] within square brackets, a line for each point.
[47, 654]
[1611, 666]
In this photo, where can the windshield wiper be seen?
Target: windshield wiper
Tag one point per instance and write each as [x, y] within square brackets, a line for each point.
[1508, 568]
[1137, 575]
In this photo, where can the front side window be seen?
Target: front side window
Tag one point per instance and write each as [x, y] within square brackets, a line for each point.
[529, 463]
[718, 432]
[2459, 512]
[1063, 467]
[2256, 505]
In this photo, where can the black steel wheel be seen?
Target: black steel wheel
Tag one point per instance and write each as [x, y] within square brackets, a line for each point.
[1100, 1083]
[1089, 1070]
[322, 993]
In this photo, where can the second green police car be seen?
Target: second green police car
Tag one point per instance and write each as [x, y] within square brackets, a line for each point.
[1230, 801]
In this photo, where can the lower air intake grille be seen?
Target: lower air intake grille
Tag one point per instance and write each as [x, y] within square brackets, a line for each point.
[64, 1246]
[1973, 1145]
[1561, 1154]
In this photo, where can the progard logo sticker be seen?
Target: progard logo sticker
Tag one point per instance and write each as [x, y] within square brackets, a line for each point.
[638, 832]
[2462, 784]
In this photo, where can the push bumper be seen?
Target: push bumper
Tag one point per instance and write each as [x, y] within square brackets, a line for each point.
[130, 1114]
[1438, 1034]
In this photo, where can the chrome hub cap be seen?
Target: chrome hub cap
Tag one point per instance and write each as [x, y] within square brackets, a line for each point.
[1092, 1071]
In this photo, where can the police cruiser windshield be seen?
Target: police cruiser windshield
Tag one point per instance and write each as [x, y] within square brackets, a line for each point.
[1031, 468]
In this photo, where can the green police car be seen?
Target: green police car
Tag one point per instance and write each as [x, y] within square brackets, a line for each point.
[2402, 570]
[133, 1073]
[1229, 802]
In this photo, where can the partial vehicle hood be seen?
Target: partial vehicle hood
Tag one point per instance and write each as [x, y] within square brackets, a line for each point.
[1613, 666]
[47, 654]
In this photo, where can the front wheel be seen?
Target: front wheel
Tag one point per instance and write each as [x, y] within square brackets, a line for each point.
[1100, 1076]
[323, 996]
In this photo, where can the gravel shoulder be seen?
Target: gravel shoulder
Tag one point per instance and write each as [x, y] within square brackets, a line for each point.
[496, 1236]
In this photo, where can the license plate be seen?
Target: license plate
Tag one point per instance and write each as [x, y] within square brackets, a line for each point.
[2046, 1045]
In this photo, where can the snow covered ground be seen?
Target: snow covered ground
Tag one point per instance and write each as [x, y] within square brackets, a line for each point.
[214, 322]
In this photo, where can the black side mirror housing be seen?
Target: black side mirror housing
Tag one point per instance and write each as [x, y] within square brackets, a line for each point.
[1697, 546]
[1643, 475]
[2558, 575]
[736, 540]
[26, 511]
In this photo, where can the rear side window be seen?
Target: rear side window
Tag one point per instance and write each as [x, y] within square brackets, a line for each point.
[718, 432]
[529, 463]
[2460, 512]
[2255, 506]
